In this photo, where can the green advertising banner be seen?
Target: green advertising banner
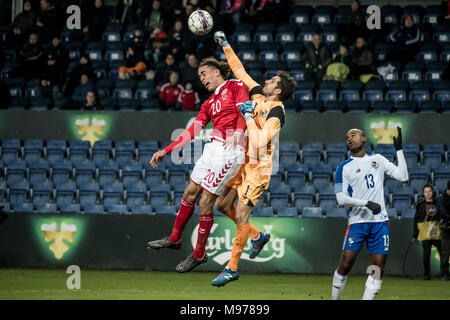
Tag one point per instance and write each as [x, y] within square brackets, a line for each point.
[298, 245]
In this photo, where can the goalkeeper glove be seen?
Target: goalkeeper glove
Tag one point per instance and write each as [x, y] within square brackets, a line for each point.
[221, 39]
[246, 109]
[398, 140]
[374, 207]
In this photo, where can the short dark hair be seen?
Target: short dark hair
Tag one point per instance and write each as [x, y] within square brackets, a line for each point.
[428, 186]
[287, 85]
[222, 66]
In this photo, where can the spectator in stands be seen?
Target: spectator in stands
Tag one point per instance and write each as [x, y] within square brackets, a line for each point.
[163, 72]
[229, 15]
[362, 59]
[445, 9]
[155, 17]
[52, 78]
[176, 41]
[427, 210]
[61, 52]
[156, 45]
[97, 21]
[406, 41]
[91, 102]
[353, 24]
[317, 57]
[127, 11]
[444, 210]
[46, 22]
[170, 91]
[339, 68]
[84, 67]
[23, 24]
[135, 66]
[189, 71]
[188, 99]
[81, 90]
[30, 59]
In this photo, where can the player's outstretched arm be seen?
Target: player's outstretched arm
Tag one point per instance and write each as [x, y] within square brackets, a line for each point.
[399, 172]
[157, 157]
[233, 60]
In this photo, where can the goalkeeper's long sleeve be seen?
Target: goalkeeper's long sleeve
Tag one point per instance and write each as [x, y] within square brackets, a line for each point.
[185, 137]
[238, 69]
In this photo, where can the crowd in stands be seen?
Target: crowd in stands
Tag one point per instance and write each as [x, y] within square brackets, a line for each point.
[154, 43]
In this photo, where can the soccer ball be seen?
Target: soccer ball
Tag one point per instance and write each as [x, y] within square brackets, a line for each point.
[200, 22]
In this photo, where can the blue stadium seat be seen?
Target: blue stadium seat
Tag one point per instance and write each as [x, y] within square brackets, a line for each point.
[301, 14]
[288, 153]
[306, 32]
[304, 197]
[178, 174]
[112, 32]
[32, 89]
[22, 207]
[297, 175]
[102, 151]
[117, 209]
[11, 149]
[104, 87]
[350, 90]
[93, 209]
[386, 150]
[136, 194]
[327, 197]
[358, 106]
[418, 177]
[402, 198]
[314, 106]
[89, 193]
[16, 171]
[330, 34]
[84, 172]
[5, 207]
[374, 91]
[108, 172]
[336, 153]
[33, 150]
[311, 153]
[428, 53]
[420, 91]
[312, 212]
[19, 192]
[101, 68]
[112, 194]
[123, 89]
[290, 212]
[407, 213]
[396, 91]
[74, 48]
[411, 151]
[413, 71]
[385, 106]
[285, 34]
[263, 35]
[70, 208]
[321, 175]
[433, 154]
[18, 103]
[445, 53]
[441, 34]
[114, 53]
[95, 50]
[336, 213]
[15, 87]
[79, 150]
[263, 212]
[3, 192]
[336, 106]
[323, 15]
[392, 184]
[42, 192]
[165, 209]
[61, 172]
[131, 173]
[145, 90]
[65, 193]
[40, 103]
[268, 56]
[141, 209]
[327, 90]
[159, 195]
[392, 213]
[431, 15]
[279, 196]
[47, 208]
[305, 91]
[146, 149]
[442, 91]
[154, 176]
[434, 71]
[441, 177]
[56, 150]
[391, 14]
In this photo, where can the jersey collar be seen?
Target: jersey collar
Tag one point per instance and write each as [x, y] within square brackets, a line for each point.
[219, 87]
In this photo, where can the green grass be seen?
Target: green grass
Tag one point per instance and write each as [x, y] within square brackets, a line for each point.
[151, 285]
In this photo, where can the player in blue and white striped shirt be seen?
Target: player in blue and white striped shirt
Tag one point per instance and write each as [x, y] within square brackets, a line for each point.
[359, 185]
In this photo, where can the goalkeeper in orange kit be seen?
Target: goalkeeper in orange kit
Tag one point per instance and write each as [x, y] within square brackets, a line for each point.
[265, 116]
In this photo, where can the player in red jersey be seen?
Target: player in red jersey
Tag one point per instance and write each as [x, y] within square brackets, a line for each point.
[220, 161]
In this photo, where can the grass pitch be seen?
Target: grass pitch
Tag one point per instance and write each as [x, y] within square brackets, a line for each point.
[45, 284]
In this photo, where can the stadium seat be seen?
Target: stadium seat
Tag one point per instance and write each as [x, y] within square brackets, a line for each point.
[74, 48]
[240, 36]
[386, 150]
[374, 91]
[33, 150]
[327, 197]
[94, 50]
[336, 153]
[5, 207]
[131, 173]
[108, 172]
[312, 212]
[104, 87]
[380, 51]
[123, 89]
[330, 34]
[262, 34]
[321, 175]
[385, 106]
[165, 209]
[112, 33]
[304, 91]
[18, 103]
[297, 175]
[285, 34]
[112, 194]
[290, 212]
[304, 197]
[350, 90]
[327, 90]
[145, 90]
[101, 68]
[22, 207]
[11, 149]
[311, 153]
[102, 151]
[407, 213]
[279, 196]
[141, 209]
[159, 195]
[396, 91]
[392, 184]
[358, 106]
[442, 91]
[336, 213]
[433, 154]
[93, 209]
[288, 153]
[334, 106]
[42, 192]
[154, 176]
[136, 194]
[79, 150]
[56, 150]
[146, 149]
[402, 198]
[391, 14]
[418, 177]
[32, 89]
[416, 11]
[441, 177]
[117, 209]
[434, 71]
[114, 53]
[301, 14]
[68, 208]
[47, 208]
[413, 71]
[89, 193]
[3, 192]
[15, 87]
[61, 171]
[306, 32]
[178, 174]
[323, 15]
[441, 34]
[392, 213]
[420, 91]
[263, 212]
[411, 151]
[445, 53]
[16, 171]
[84, 172]
[19, 192]
[428, 53]
[432, 14]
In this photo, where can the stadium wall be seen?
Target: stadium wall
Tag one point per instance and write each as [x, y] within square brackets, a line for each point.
[165, 126]
[298, 245]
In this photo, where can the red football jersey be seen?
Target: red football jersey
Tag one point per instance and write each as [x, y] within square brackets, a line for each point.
[222, 108]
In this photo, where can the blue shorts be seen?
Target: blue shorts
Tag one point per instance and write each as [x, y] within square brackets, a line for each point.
[376, 234]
